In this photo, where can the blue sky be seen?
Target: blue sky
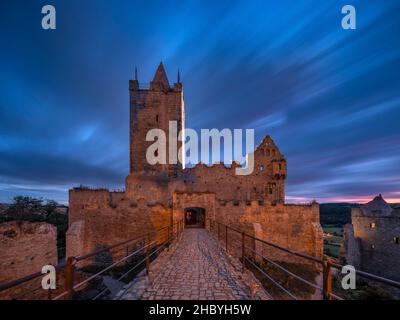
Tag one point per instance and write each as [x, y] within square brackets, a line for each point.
[329, 98]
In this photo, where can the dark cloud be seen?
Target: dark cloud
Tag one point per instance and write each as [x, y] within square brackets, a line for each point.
[328, 97]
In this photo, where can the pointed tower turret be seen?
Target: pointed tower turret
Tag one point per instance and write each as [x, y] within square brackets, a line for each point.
[134, 84]
[178, 84]
[160, 80]
[377, 206]
[155, 107]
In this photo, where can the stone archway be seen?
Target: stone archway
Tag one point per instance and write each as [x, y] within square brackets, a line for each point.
[195, 217]
[193, 200]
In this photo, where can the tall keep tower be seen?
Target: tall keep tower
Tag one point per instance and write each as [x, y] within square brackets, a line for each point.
[153, 107]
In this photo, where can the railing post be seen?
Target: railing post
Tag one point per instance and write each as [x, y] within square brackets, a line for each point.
[69, 278]
[168, 236]
[226, 238]
[147, 249]
[243, 257]
[327, 278]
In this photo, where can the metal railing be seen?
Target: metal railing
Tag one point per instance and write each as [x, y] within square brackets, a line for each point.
[325, 263]
[151, 244]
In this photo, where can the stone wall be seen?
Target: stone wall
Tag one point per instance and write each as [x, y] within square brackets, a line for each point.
[295, 227]
[25, 248]
[350, 248]
[379, 253]
[265, 183]
[97, 220]
[205, 200]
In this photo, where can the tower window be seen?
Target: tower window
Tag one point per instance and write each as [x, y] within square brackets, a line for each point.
[396, 240]
[157, 118]
[270, 188]
[372, 225]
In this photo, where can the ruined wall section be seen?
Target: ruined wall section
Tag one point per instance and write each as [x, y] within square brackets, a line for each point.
[25, 248]
[296, 227]
[379, 238]
[265, 183]
[99, 218]
[350, 248]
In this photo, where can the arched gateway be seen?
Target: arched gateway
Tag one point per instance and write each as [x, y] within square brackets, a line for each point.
[195, 217]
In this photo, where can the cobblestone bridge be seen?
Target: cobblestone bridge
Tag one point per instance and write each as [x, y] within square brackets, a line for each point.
[194, 268]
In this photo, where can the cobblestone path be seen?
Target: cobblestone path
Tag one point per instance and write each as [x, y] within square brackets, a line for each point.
[195, 268]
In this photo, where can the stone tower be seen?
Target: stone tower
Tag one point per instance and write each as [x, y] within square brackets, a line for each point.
[153, 107]
[372, 240]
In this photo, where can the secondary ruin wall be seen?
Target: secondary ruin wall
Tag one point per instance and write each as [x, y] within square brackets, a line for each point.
[25, 248]
[377, 239]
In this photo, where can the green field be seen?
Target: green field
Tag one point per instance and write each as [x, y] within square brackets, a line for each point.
[333, 237]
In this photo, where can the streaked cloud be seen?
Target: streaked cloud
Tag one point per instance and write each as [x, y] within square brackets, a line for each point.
[328, 97]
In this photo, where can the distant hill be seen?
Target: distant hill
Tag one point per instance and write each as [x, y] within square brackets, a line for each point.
[395, 205]
[336, 213]
[340, 213]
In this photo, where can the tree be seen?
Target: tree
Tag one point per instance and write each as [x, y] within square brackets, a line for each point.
[24, 206]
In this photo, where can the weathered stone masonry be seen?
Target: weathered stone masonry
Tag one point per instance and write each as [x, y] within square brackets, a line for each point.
[25, 248]
[372, 240]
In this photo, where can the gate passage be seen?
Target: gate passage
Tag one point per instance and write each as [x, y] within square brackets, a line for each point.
[195, 217]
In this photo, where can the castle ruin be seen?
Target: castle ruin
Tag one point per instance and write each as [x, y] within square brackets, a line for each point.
[161, 194]
[372, 240]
